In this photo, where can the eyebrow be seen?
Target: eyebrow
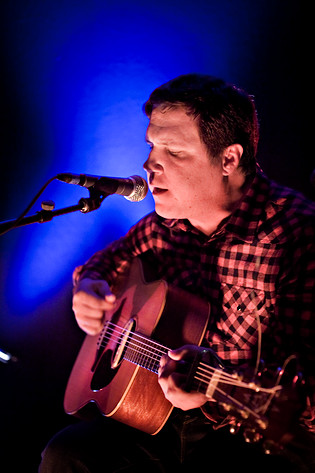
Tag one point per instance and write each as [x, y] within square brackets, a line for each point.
[164, 141]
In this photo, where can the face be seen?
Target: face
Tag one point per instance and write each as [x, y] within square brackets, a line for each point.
[185, 182]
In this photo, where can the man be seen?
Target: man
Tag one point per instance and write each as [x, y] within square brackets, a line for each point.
[223, 231]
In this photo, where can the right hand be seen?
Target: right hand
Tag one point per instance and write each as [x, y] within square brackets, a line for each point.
[91, 299]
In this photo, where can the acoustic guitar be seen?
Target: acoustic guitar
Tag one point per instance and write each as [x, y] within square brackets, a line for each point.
[117, 369]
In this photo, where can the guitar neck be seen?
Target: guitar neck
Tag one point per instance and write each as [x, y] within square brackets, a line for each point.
[147, 353]
[229, 389]
[144, 352]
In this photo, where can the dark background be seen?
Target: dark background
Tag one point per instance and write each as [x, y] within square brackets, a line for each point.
[74, 76]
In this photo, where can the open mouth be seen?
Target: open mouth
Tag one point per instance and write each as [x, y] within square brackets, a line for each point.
[158, 191]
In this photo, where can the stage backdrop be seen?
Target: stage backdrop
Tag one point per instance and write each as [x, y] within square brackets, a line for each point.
[75, 75]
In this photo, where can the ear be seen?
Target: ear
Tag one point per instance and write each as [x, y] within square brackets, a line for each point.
[231, 157]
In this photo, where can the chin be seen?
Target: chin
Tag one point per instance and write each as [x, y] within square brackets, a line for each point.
[167, 213]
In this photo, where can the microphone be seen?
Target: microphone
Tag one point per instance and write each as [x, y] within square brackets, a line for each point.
[133, 188]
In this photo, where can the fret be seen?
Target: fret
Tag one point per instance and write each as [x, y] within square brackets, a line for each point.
[144, 352]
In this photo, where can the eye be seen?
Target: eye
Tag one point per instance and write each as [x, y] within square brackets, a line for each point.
[173, 153]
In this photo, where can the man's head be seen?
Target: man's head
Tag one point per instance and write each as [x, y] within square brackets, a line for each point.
[225, 114]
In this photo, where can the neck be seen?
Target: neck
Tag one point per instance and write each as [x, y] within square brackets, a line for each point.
[211, 223]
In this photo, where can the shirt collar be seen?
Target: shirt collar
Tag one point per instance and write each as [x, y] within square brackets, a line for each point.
[243, 222]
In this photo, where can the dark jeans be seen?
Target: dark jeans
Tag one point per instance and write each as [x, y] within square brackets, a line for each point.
[186, 443]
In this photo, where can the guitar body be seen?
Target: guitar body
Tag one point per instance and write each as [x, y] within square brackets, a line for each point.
[123, 389]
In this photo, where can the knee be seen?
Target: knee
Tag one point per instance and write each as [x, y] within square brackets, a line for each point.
[60, 454]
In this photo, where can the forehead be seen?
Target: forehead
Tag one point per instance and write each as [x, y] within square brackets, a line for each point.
[172, 124]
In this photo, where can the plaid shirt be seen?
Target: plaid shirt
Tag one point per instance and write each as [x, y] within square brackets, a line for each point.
[256, 270]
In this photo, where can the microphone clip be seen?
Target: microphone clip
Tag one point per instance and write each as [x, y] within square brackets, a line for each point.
[88, 204]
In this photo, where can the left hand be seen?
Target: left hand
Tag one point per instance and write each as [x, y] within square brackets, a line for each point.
[173, 372]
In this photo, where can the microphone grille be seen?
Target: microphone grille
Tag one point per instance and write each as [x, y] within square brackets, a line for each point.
[140, 189]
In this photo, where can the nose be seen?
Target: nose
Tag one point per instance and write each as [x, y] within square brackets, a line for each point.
[153, 164]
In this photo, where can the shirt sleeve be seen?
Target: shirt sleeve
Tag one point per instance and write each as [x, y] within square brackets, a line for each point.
[112, 261]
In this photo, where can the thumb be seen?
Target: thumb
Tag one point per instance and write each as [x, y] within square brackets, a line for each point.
[110, 297]
[186, 352]
[177, 354]
[102, 289]
[107, 293]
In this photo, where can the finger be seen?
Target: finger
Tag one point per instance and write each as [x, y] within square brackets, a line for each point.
[172, 384]
[93, 293]
[90, 307]
[94, 321]
[98, 286]
[163, 360]
[110, 297]
[89, 315]
[178, 380]
[181, 352]
[176, 354]
[186, 352]
[90, 326]
[167, 367]
[91, 301]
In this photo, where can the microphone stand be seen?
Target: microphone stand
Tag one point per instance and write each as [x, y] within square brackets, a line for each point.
[47, 213]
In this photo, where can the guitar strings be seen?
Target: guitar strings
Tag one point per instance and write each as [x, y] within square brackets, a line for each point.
[138, 345]
[119, 332]
[242, 407]
[206, 372]
[146, 350]
[228, 400]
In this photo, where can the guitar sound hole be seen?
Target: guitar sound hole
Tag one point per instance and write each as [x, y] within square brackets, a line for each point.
[104, 373]
[108, 360]
[122, 342]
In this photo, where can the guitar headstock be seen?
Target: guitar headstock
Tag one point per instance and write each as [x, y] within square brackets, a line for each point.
[265, 405]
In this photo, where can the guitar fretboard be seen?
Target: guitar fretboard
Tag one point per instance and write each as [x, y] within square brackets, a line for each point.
[144, 352]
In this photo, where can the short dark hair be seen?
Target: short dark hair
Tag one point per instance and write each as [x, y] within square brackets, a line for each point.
[226, 114]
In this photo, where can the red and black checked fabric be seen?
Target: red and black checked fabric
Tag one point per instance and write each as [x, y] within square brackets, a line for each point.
[257, 271]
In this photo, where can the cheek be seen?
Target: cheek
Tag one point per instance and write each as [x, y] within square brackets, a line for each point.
[193, 183]
[185, 186]
[191, 180]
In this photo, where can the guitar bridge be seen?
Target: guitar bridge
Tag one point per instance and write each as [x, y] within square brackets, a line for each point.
[212, 386]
